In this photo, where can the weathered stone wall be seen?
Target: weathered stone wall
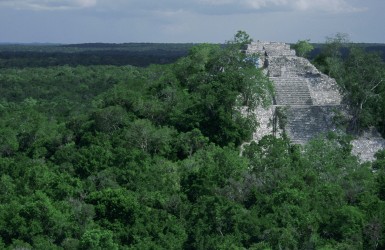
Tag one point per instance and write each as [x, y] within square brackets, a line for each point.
[265, 121]
[307, 122]
[366, 145]
[324, 90]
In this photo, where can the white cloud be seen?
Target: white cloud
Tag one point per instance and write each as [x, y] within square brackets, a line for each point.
[259, 4]
[335, 6]
[241, 6]
[301, 5]
[48, 4]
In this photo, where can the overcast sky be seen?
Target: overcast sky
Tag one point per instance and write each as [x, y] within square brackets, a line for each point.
[119, 21]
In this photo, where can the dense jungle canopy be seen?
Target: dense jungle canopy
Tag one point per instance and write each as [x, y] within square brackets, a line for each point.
[124, 157]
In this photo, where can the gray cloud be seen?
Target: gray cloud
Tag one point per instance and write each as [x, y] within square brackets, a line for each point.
[235, 6]
[218, 7]
[45, 5]
[72, 21]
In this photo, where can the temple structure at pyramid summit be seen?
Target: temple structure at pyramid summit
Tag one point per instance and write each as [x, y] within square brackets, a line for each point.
[306, 102]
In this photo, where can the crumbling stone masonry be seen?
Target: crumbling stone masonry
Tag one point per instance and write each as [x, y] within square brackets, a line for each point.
[309, 98]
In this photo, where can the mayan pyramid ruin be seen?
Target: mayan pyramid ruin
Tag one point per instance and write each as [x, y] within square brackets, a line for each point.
[306, 101]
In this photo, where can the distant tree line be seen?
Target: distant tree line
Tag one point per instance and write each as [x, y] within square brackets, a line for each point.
[135, 54]
[140, 55]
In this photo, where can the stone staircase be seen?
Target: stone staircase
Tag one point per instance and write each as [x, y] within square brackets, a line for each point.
[308, 98]
[291, 91]
[307, 122]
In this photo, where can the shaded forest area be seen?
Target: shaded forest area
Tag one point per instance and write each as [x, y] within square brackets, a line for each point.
[369, 47]
[135, 54]
[46, 55]
[125, 157]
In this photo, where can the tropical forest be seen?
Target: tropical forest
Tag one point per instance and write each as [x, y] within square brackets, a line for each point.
[149, 146]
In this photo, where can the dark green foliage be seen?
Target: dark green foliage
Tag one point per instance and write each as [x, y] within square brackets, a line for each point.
[360, 75]
[48, 55]
[97, 239]
[107, 157]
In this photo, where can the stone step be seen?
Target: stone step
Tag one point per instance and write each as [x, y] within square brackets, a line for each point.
[291, 91]
[287, 73]
[280, 52]
[305, 123]
[288, 79]
[291, 85]
[289, 65]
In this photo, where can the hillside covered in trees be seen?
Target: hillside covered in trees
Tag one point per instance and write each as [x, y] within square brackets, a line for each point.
[124, 157]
